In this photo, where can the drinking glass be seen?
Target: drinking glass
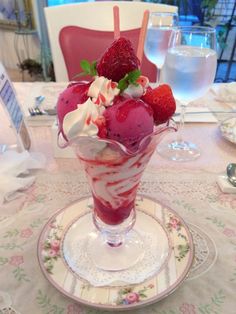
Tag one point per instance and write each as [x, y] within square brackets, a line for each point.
[114, 173]
[189, 69]
[158, 33]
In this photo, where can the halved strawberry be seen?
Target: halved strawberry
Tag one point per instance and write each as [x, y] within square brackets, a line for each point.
[118, 60]
[162, 102]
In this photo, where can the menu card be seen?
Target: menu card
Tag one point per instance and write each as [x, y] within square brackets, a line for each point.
[12, 107]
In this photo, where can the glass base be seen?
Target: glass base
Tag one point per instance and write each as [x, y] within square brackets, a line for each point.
[105, 256]
[143, 250]
[115, 247]
[179, 151]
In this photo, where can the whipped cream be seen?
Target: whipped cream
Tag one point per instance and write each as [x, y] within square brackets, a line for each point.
[102, 91]
[81, 122]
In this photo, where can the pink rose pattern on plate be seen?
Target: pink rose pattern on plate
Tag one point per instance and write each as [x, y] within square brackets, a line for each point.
[174, 225]
[51, 248]
[129, 296]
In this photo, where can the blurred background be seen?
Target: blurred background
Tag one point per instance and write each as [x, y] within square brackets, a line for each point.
[25, 49]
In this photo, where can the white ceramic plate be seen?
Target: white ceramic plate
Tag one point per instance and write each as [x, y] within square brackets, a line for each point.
[170, 275]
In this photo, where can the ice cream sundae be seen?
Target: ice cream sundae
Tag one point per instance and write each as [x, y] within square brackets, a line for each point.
[113, 120]
[118, 104]
[114, 123]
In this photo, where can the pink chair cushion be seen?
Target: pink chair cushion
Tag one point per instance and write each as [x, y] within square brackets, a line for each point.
[79, 43]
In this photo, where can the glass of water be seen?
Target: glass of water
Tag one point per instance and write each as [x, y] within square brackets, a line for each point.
[158, 33]
[190, 68]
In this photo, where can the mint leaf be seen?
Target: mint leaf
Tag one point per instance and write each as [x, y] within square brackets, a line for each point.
[88, 68]
[85, 65]
[133, 76]
[130, 78]
[123, 83]
[93, 68]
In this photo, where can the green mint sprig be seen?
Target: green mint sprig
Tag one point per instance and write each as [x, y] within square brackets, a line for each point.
[88, 68]
[129, 78]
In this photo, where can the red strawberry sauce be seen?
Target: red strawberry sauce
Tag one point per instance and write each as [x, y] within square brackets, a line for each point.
[112, 216]
[114, 185]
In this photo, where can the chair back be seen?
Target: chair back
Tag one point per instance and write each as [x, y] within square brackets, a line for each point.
[84, 30]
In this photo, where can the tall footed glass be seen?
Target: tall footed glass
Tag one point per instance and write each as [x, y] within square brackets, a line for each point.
[114, 174]
[189, 69]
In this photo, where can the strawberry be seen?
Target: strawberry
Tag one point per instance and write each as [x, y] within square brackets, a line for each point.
[162, 102]
[118, 60]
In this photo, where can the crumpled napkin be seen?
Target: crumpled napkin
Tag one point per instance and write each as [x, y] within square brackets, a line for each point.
[225, 92]
[14, 167]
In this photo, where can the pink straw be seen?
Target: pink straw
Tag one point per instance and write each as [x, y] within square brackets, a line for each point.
[116, 18]
[142, 35]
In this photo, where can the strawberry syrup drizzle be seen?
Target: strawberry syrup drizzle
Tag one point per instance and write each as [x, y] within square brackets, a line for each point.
[126, 199]
[88, 120]
[122, 192]
[114, 216]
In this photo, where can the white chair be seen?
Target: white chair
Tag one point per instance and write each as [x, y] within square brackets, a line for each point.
[93, 16]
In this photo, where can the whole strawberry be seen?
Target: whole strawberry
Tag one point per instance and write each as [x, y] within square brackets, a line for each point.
[118, 60]
[162, 102]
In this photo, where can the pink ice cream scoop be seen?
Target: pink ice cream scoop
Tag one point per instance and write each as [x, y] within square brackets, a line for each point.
[74, 94]
[128, 121]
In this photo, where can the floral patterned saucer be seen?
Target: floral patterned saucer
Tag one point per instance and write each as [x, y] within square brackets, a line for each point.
[228, 129]
[170, 275]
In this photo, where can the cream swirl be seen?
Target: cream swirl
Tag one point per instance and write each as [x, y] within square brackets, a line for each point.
[80, 122]
[102, 91]
[114, 177]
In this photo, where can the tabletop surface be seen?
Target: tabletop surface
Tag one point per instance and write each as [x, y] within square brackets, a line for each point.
[188, 188]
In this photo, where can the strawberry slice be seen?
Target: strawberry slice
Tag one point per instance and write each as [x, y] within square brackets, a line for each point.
[118, 60]
[162, 102]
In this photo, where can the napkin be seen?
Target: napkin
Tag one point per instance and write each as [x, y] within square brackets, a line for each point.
[225, 92]
[14, 170]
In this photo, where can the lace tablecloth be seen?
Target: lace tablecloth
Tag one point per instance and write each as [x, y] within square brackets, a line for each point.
[188, 188]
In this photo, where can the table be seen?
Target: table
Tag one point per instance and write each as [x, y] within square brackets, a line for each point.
[189, 188]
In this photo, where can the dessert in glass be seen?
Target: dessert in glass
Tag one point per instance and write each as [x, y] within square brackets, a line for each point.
[114, 123]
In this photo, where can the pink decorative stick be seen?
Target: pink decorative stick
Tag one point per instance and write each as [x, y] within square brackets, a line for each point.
[142, 35]
[116, 18]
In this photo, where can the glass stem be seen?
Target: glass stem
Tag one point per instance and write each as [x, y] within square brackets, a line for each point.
[158, 76]
[115, 239]
[181, 123]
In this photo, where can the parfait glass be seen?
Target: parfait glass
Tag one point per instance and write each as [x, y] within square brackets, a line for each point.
[113, 173]
[189, 69]
[159, 28]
